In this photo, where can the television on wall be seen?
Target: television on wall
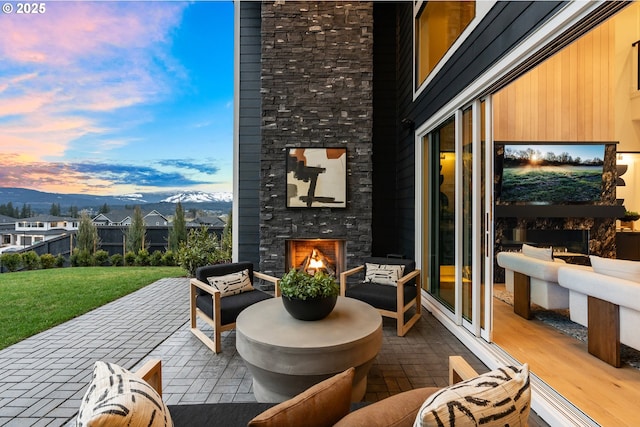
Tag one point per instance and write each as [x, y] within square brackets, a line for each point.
[543, 173]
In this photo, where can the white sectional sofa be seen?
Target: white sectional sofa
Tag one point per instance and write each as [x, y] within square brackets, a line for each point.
[540, 270]
[613, 281]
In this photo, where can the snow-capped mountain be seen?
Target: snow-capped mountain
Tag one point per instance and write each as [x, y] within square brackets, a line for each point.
[199, 197]
[40, 202]
[136, 197]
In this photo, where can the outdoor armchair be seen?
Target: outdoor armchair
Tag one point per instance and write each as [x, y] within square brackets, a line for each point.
[385, 287]
[219, 293]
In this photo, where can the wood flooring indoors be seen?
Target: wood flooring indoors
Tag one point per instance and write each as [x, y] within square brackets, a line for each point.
[610, 396]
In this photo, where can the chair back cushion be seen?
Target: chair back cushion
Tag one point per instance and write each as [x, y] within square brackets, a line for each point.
[203, 273]
[323, 404]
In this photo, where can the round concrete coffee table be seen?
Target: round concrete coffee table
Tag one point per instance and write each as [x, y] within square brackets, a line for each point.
[286, 356]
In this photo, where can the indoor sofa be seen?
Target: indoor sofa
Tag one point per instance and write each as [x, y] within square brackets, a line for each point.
[609, 288]
[532, 276]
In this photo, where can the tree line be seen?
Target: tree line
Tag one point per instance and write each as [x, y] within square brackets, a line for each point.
[8, 209]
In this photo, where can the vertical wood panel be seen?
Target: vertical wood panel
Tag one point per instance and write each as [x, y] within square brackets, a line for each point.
[569, 97]
[573, 90]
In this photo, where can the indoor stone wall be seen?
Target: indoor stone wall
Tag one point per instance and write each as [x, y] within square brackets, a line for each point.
[317, 71]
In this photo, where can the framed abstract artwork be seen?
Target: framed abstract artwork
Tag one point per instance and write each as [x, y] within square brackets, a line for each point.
[317, 178]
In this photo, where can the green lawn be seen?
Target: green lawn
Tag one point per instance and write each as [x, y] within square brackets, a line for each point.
[34, 301]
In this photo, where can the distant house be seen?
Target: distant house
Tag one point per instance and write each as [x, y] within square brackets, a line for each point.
[155, 218]
[7, 227]
[28, 231]
[124, 218]
[208, 221]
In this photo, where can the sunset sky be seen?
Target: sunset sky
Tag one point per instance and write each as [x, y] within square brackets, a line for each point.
[114, 97]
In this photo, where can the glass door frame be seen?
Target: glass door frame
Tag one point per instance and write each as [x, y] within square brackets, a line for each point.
[482, 226]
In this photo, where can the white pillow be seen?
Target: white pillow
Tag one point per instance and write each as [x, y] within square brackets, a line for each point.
[544, 254]
[118, 397]
[231, 284]
[383, 274]
[500, 397]
[620, 268]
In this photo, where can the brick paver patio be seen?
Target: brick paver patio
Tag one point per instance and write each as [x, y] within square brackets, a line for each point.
[43, 378]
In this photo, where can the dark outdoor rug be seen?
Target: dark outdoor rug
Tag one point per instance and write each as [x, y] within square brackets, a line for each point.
[559, 319]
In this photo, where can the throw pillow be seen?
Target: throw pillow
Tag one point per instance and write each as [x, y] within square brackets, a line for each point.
[544, 254]
[118, 397]
[384, 274]
[500, 397]
[398, 410]
[231, 284]
[323, 404]
[620, 268]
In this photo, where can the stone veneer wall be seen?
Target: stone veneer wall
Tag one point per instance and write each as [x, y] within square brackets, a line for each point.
[317, 72]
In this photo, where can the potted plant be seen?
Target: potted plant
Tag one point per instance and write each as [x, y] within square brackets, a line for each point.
[626, 222]
[308, 297]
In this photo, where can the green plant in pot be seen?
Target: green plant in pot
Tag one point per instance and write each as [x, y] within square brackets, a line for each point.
[308, 297]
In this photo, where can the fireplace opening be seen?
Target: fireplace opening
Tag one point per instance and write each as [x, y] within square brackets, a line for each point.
[312, 255]
[575, 241]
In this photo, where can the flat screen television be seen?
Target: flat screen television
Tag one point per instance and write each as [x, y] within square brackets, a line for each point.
[538, 173]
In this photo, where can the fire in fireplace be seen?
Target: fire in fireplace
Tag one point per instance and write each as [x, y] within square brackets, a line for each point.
[312, 255]
[316, 261]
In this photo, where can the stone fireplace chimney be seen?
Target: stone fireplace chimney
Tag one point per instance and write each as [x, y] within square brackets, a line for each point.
[316, 85]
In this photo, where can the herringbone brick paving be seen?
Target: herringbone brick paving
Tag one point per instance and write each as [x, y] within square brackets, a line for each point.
[43, 378]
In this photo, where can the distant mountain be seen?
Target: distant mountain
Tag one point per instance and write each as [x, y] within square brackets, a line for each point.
[199, 197]
[41, 201]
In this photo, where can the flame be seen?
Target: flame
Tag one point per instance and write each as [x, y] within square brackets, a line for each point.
[315, 263]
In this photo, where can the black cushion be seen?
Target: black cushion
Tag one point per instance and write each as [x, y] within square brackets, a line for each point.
[223, 414]
[380, 296]
[232, 305]
[220, 270]
[216, 414]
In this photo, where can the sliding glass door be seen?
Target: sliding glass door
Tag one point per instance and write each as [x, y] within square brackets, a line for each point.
[441, 225]
[456, 232]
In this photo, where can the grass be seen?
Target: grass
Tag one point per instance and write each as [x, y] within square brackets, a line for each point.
[34, 301]
[570, 185]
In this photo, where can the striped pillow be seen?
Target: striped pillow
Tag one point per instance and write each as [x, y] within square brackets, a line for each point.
[231, 284]
[500, 397]
[118, 397]
[383, 274]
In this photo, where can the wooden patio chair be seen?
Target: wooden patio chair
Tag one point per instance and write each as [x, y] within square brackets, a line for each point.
[393, 297]
[218, 309]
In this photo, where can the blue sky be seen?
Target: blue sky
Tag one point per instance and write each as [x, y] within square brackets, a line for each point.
[113, 97]
[584, 151]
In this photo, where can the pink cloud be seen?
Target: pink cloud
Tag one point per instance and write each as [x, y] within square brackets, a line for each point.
[24, 104]
[76, 60]
[70, 31]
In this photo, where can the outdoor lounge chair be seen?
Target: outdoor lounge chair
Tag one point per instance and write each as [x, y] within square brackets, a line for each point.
[218, 309]
[392, 296]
